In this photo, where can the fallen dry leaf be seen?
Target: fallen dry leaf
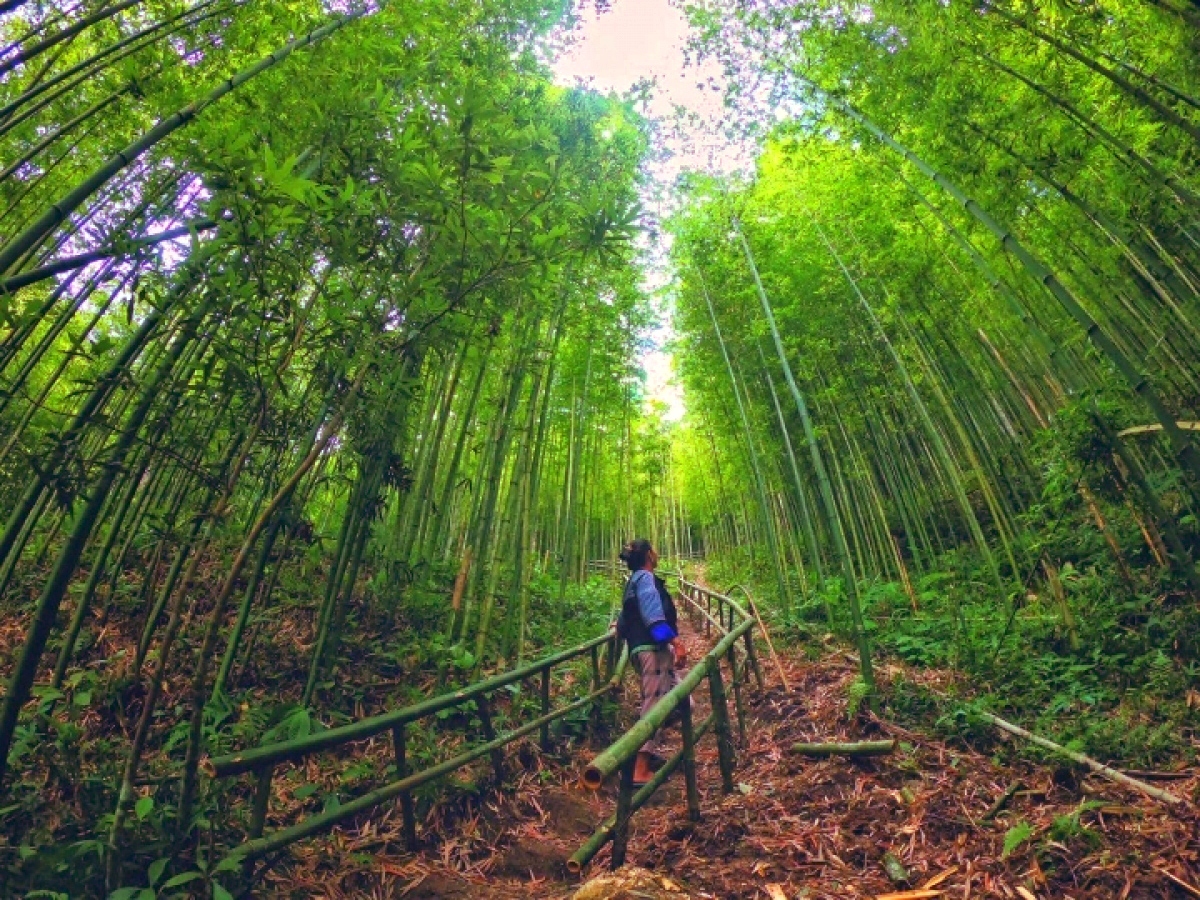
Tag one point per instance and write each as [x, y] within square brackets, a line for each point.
[938, 879]
[1195, 892]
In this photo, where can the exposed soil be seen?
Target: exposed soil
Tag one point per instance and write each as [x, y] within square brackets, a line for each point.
[810, 828]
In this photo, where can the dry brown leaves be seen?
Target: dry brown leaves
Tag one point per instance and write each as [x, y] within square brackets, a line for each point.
[820, 828]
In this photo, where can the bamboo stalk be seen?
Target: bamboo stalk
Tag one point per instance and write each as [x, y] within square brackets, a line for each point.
[1156, 428]
[766, 634]
[833, 519]
[1098, 767]
[17, 247]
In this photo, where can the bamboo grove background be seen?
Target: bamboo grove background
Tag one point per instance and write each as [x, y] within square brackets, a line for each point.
[319, 340]
[318, 331]
[943, 341]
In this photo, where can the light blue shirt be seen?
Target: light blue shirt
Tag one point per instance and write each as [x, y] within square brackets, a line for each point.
[649, 602]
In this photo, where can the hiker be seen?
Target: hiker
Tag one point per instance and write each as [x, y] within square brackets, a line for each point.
[648, 623]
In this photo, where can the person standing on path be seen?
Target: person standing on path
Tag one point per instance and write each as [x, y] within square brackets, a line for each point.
[649, 624]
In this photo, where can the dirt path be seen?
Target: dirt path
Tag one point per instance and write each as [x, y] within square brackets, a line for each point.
[813, 828]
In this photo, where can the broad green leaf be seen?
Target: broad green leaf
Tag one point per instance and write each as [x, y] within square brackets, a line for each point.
[155, 872]
[182, 879]
[1015, 837]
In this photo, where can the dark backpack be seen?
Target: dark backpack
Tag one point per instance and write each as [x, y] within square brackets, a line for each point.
[630, 626]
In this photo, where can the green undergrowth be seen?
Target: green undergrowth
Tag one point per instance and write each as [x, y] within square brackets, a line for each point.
[1123, 687]
[1096, 650]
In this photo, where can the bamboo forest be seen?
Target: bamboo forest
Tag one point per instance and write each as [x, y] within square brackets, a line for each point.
[348, 347]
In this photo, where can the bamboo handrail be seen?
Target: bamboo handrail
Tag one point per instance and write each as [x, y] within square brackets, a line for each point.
[624, 748]
[709, 617]
[258, 847]
[688, 587]
[604, 833]
[264, 760]
[289, 751]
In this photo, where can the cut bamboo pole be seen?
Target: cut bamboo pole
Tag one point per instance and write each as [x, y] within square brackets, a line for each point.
[1098, 767]
[1002, 801]
[1179, 882]
[895, 869]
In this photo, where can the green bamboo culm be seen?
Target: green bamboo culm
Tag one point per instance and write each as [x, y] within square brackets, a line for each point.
[832, 518]
[1182, 444]
[759, 483]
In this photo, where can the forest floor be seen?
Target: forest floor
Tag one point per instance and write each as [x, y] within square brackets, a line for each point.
[796, 827]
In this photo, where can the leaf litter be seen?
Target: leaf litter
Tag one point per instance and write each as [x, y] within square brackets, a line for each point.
[795, 828]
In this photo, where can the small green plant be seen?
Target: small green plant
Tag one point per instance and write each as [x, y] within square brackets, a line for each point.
[1015, 837]
[856, 695]
[1067, 827]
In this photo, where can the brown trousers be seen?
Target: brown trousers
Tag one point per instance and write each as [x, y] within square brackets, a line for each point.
[656, 673]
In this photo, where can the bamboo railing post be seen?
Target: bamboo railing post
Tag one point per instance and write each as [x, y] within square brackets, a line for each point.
[544, 737]
[596, 682]
[641, 796]
[262, 800]
[489, 735]
[752, 659]
[399, 747]
[708, 621]
[623, 815]
[736, 678]
[716, 687]
[689, 759]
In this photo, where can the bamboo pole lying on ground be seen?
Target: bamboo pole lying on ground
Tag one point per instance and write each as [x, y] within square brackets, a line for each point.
[860, 748]
[1097, 767]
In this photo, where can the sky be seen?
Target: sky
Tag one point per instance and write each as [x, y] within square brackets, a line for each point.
[612, 51]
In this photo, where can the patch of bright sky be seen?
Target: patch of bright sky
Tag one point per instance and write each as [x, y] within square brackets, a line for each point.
[632, 42]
